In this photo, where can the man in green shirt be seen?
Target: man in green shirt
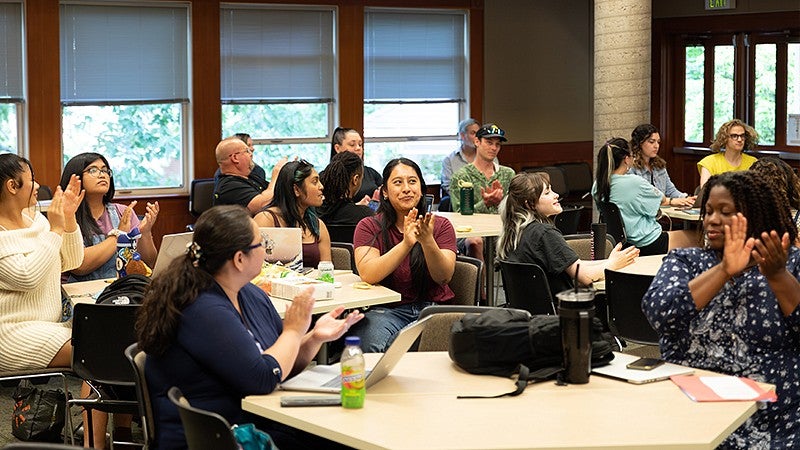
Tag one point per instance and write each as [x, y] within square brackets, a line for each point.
[489, 180]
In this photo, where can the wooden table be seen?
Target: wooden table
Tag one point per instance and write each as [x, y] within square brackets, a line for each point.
[347, 295]
[416, 408]
[487, 226]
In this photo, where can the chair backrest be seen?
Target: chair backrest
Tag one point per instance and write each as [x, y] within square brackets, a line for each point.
[44, 193]
[624, 293]
[582, 245]
[466, 280]
[444, 204]
[527, 288]
[610, 215]
[567, 222]
[204, 430]
[558, 182]
[201, 195]
[341, 233]
[137, 359]
[435, 337]
[100, 335]
[578, 176]
[343, 256]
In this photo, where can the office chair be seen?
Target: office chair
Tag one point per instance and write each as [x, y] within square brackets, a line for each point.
[343, 256]
[568, 220]
[624, 293]
[610, 215]
[204, 430]
[341, 233]
[201, 195]
[137, 359]
[527, 288]
[582, 245]
[435, 337]
[466, 281]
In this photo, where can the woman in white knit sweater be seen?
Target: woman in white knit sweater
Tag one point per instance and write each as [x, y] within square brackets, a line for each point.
[34, 250]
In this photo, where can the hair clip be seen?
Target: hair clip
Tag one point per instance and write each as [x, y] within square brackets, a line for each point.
[194, 252]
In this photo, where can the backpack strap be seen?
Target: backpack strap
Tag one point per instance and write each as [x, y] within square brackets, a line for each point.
[525, 378]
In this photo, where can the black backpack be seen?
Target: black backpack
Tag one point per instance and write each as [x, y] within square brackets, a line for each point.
[128, 290]
[499, 341]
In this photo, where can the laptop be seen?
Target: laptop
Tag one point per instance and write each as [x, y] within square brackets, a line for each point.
[618, 370]
[286, 246]
[327, 378]
[172, 246]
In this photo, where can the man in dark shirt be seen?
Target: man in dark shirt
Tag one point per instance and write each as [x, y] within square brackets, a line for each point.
[235, 161]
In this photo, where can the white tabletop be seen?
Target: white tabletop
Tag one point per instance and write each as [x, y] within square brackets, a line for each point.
[474, 225]
[415, 407]
[692, 215]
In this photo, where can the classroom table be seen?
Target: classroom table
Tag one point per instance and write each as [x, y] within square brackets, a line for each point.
[416, 407]
[346, 296]
[487, 226]
[692, 215]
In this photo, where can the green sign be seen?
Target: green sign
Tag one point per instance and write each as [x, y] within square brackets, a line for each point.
[720, 4]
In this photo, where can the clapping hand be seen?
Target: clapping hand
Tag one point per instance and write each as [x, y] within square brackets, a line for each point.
[771, 253]
[492, 195]
[150, 216]
[330, 327]
[297, 317]
[738, 247]
[73, 196]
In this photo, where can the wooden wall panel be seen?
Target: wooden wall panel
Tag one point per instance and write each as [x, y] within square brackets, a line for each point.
[519, 156]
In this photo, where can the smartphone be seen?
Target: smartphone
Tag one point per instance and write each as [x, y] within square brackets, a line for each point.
[645, 364]
[428, 203]
[311, 400]
[373, 205]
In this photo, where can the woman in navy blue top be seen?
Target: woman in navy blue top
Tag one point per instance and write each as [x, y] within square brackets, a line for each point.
[207, 330]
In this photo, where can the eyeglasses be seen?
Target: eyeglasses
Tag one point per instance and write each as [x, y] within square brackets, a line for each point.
[248, 151]
[95, 172]
[266, 242]
[738, 137]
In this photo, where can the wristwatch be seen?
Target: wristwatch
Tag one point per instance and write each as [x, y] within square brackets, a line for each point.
[116, 232]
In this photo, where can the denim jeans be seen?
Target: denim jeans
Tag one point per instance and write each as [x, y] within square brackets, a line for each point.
[380, 325]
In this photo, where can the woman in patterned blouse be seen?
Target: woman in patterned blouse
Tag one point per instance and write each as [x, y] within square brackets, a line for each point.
[732, 306]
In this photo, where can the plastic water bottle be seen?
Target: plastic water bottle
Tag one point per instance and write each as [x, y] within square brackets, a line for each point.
[325, 269]
[353, 374]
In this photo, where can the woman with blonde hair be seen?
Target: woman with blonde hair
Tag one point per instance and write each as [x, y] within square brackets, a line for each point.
[735, 137]
[529, 235]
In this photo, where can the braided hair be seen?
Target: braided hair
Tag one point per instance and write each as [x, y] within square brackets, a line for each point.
[336, 179]
[781, 176]
[752, 196]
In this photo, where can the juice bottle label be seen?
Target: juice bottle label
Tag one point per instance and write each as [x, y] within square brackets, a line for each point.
[353, 388]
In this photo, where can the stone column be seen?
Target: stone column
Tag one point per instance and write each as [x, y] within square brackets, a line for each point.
[622, 53]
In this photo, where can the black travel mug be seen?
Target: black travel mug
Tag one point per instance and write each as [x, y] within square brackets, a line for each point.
[576, 311]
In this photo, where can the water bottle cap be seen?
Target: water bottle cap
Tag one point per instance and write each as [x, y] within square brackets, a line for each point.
[352, 340]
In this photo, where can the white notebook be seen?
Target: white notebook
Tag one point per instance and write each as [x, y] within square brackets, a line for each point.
[618, 370]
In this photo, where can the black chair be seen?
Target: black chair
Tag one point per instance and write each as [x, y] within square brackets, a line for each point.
[610, 215]
[578, 176]
[444, 204]
[568, 220]
[201, 195]
[204, 430]
[527, 288]
[558, 182]
[341, 233]
[137, 359]
[466, 281]
[343, 256]
[624, 293]
[100, 335]
[44, 193]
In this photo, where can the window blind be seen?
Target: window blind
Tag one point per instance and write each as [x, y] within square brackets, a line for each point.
[123, 54]
[414, 55]
[271, 54]
[11, 52]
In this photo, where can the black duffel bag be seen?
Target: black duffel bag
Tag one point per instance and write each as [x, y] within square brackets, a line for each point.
[498, 341]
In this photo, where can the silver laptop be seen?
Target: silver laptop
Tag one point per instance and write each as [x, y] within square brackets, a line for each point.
[172, 246]
[284, 246]
[327, 378]
[618, 370]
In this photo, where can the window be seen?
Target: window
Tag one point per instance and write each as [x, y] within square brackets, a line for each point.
[753, 77]
[124, 89]
[278, 81]
[11, 89]
[415, 71]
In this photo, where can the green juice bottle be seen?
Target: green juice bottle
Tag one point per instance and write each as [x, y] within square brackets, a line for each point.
[354, 373]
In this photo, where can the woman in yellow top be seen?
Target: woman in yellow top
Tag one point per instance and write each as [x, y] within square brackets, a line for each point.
[735, 137]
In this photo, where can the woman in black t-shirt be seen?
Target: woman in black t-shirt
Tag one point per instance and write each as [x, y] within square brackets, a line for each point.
[348, 140]
[529, 236]
[342, 180]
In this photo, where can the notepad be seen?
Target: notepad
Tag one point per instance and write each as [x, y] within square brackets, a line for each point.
[722, 389]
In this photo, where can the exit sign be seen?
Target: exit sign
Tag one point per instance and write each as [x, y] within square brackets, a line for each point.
[720, 4]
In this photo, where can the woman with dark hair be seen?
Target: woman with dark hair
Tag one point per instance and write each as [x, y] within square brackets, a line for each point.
[732, 306]
[250, 350]
[637, 200]
[34, 250]
[348, 140]
[733, 138]
[298, 192]
[103, 222]
[529, 235]
[783, 180]
[408, 251]
[645, 142]
[342, 180]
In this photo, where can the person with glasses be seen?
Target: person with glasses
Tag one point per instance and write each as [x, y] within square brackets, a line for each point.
[216, 336]
[298, 194]
[639, 202]
[103, 222]
[348, 140]
[733, 138]
[645, 142]
[258, 175]
[236, 186]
